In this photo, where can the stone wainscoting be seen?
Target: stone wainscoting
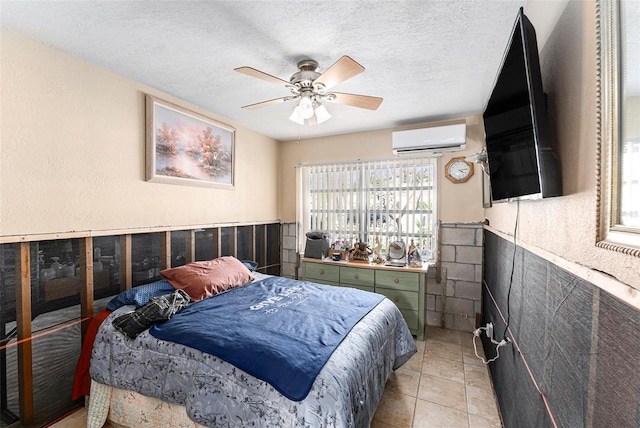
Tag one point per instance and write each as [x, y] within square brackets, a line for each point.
[458, 297]
[289, 254]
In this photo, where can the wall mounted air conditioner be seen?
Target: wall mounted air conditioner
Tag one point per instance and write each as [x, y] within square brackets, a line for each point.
[429, 140]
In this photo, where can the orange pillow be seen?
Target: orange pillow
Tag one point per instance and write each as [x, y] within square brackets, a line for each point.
[205, 279]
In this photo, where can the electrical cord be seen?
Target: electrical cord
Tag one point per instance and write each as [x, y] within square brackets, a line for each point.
[513, 265]
[503, 342]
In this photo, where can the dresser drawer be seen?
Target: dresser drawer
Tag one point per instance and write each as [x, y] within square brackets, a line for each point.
[402, 299]
[355, 276]
[322, 273]
[408, 281]
[359, 287]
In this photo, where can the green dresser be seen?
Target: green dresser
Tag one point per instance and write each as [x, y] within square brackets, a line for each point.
[322, 273]
[364, 279]
[402, 285]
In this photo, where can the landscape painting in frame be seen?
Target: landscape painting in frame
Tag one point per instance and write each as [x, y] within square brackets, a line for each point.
[184, 147]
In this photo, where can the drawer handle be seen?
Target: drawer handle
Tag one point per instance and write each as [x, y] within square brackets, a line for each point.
[396, 280]
[356, 276]
[321, 272]
[395, 299]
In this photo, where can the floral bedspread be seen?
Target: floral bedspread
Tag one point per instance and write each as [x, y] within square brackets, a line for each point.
[215, 393]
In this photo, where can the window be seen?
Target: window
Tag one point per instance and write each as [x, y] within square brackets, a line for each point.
[619, 140]
[371, 201]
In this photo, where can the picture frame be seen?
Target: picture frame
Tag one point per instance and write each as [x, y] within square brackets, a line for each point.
[187, 148]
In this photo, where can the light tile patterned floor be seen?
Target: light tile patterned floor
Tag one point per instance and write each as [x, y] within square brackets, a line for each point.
[443, 385]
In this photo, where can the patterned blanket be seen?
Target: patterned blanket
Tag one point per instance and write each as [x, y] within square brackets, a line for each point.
[278, 330]
[214, 392]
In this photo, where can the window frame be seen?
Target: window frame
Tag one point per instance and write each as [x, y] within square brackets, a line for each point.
[610, 235]
[361, 197]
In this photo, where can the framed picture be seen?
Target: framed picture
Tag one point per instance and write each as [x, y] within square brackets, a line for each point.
[184, 147]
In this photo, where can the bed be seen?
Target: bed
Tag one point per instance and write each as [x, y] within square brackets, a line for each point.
[150, 381]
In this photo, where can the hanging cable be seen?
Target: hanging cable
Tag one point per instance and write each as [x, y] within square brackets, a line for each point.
[513, 265]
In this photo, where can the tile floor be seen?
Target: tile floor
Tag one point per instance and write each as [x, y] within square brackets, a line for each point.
[443, 385]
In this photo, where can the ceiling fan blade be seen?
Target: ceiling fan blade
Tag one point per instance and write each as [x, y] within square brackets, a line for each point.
[362, 101]
[343, 69]
[249, 71]
[267, 103]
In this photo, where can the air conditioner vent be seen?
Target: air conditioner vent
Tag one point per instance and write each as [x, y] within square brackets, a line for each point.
[429, 140]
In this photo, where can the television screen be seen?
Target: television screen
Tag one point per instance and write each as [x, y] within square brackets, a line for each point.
[521, 163]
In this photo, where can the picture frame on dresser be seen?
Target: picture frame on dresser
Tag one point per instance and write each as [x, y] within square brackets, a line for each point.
[187, 148]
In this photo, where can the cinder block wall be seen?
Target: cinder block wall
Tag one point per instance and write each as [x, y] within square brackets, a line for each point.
[457, 298]
[289, 255]
[435, 298]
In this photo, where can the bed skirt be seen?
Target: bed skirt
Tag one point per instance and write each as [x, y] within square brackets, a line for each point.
[127, 409]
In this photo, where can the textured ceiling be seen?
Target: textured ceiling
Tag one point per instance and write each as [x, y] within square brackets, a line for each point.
[430, 60]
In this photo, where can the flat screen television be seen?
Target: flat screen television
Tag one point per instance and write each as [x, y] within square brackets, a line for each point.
[521, 162]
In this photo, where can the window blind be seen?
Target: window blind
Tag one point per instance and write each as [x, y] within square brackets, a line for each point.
[371, 201]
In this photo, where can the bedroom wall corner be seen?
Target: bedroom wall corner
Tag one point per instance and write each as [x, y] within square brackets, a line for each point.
[73, 153]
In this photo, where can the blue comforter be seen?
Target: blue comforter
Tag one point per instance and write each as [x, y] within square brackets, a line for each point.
[277, 330]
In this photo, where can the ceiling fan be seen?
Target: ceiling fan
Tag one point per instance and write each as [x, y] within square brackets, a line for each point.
[311, 88]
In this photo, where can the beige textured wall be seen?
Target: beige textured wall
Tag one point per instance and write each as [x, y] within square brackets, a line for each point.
[632, 113]
[73, 153]
[566, 226]
[458, 202]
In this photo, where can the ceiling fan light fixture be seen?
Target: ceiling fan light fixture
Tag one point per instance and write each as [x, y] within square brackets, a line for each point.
[296, 116]
[322, 114]
[305, 107]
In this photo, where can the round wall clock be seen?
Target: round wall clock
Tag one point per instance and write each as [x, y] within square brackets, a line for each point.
[458, 170]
